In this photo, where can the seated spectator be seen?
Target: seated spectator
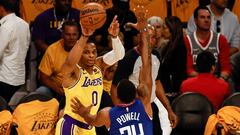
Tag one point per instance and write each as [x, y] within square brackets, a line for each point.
[47, 25]
[54, 58]
[222, 21]
[215, 89]
[204, 39]
[15, 40]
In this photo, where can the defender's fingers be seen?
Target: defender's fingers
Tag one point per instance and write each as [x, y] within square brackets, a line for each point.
[78, 101]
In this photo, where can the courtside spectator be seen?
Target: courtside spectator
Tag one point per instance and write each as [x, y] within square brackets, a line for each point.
[204, 39]
[222, 21]
[215, 89]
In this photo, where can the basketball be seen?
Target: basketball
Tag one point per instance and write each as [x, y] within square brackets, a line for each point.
[93, 15]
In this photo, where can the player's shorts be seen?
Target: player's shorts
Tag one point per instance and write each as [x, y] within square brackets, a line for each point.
[69, 126]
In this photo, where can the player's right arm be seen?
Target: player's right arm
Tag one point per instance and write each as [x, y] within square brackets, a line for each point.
[69, 67]
[117, 52]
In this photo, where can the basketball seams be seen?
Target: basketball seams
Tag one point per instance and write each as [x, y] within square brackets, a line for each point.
[96, 22]
[93, 15]
[81, 17]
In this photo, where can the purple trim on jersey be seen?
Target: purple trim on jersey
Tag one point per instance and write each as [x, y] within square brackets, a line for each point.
[69, 122]
[94, 98]
[66, 127]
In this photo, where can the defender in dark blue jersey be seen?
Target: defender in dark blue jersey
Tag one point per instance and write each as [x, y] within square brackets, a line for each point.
[132, 115]
[130, 119]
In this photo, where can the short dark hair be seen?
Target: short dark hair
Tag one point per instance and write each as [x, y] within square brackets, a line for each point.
[9, 5]
[126, 91]
[195, 14]
[71, 23]
[205, 61]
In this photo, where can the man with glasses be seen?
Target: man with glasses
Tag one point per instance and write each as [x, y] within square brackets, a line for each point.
[204, 39]
[223, 21]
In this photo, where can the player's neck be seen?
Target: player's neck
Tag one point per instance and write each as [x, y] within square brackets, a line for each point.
[121, 104]
[89, 69]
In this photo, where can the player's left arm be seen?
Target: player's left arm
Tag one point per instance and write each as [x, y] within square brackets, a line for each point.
[100, 119]
[117, 52]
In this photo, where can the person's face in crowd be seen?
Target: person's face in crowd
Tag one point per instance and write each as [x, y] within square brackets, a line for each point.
[152, 37]
[166, 32]
[221, 4]
[158, 28]
[70, 36]
[203, 21]
[63, 5]
[89, 55]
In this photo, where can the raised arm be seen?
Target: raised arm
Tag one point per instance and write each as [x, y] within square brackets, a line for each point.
[145, 76]
[117, 52]
[74, 56]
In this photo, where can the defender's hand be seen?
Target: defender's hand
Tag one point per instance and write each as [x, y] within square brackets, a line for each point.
[79, 108]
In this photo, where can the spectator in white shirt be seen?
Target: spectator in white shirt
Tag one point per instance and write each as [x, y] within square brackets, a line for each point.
[14, 43]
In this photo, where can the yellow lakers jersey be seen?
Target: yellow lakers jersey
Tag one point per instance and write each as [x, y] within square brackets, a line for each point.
[36, 117]
[88, 89]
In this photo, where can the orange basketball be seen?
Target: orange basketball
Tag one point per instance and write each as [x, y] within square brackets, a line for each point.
[93, 15]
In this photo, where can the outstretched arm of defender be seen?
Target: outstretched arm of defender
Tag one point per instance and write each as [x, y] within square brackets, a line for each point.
[145, 77]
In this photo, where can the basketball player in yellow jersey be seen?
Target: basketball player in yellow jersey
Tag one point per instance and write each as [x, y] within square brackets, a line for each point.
[83, 79]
